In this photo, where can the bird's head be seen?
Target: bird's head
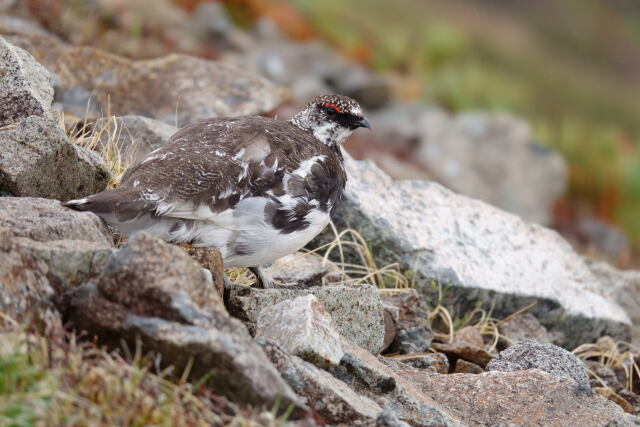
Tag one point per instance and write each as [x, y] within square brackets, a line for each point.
[331, 118]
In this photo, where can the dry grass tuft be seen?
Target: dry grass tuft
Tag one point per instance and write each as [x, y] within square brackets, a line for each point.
[617, 355]
[445, 326]
[51, 378]
[102, 140]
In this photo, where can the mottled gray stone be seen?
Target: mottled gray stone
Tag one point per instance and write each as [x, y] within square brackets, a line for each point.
[546, 357]
[70, 247]
[438, 362]
[161, 280]
[409, 313]
[305, 269]
[523, 327]
[47, 220]
[152, 292]
[355, 309]
[331, 398]
[25, 85]
[38, 160]
[302, 327]
[135, 136]
[69, 262]
[471, 253]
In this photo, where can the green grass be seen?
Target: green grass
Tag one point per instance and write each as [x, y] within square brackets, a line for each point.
[50, 378]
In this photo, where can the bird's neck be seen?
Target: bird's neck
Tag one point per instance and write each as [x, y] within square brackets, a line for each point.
[329, 133]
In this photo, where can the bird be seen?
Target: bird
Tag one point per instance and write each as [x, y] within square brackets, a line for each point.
[255, 188]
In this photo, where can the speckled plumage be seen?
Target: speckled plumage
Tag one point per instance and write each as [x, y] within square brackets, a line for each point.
[254, 187]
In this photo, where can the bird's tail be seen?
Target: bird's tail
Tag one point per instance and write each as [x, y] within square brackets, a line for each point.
[122, 202]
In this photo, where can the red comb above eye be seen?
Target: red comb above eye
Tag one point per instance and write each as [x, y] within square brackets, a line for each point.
[333, 107]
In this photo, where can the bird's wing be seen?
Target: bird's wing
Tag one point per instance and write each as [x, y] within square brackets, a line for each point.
[207, 168]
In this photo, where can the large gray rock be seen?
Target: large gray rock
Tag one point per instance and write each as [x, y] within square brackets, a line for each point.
[25, 85]
[331, 398]
[154, 292]
[622, 286]
[68, 247]
[546, 357]
[38, 160]
[524, 398]
[135, 136]
[471, 253]
[303, 328]
[355, 309]
[487, 156]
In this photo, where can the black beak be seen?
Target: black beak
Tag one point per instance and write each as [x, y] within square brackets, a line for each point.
[361, 123]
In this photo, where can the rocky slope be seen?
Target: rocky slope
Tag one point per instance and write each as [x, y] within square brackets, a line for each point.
[342, 352]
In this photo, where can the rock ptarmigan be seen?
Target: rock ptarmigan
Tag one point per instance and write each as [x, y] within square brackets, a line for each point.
[255, 188]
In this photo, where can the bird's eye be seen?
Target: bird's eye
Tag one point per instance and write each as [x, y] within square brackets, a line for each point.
[331, 109]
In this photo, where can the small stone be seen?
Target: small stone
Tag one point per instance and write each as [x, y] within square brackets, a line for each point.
[471, 353]
[464, 367]
[469, 335]
[355, 309]
[414, 339]
[303, 328]
[437, 362]
[523, 327]
[305, 269]
[546, 357]
[603, 376]
[409, 313]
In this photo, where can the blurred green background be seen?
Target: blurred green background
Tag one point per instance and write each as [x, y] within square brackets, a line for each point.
[570, 67]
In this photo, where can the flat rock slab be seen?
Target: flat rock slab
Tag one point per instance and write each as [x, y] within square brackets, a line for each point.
[472, 253]
[355, 309]
[38, 160]
[303, 328]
